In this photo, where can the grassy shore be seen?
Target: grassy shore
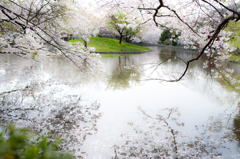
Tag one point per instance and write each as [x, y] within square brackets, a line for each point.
[111, 45]
[234, 58]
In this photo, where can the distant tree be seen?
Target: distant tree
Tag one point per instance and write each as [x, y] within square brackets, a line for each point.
[175, 38]
[202, 25]
[86, 22]
[125, 25]
[172, 36]
[116, 22]
[165, 35]
[130, 33]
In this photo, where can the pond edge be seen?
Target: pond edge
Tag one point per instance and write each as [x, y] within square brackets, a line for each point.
[123, 52]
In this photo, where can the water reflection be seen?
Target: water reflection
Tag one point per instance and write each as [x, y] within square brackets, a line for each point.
[120, 77]
[164, 53]
[41, 96]
[236, 125]
[170, 64]
[125, 71]
[193, 118]
[162, 137]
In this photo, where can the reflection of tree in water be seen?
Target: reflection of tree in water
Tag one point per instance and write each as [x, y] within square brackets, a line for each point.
[166, 53]
[181, 53]
[121, 77]
[171, 65]
[162, 138]
[48, 108]
[236, 125]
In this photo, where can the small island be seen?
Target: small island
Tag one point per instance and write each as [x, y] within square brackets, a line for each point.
[108, 45]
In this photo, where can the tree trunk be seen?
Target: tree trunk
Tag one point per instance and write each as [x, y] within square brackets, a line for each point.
[85, 43]
[128, 39]
[121, 37]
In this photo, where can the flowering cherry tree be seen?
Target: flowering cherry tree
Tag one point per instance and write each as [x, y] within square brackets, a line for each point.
[201, 24]
[124, 24]
[86, 20]
[33, 29]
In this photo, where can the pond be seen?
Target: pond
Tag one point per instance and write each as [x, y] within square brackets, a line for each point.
[112, 114]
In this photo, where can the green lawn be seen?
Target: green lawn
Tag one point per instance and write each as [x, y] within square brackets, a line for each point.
[111, 45]
[234, 58]
[235, 38]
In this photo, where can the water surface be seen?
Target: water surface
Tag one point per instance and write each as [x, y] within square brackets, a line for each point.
[113, 114]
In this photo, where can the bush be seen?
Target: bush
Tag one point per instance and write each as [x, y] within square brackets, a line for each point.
[165, 35]
[234, 27]
[16, 143]
[167, 41]
[174, 43]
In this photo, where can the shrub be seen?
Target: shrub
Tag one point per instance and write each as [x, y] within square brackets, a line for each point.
[165, 35]
[16, 143]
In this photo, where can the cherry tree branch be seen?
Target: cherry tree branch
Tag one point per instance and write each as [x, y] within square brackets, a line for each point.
[18, 19]
[205, 12]
[161, 5]
[231, 10]
[213, 7]
[183, 21]
[220, 27]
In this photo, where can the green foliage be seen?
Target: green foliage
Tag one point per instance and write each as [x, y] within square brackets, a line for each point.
[128, 31]
[174, 43]
[116, 19]
[175, 37]
[34, 54]
[7, 27]
[234, 58]
[235, 38]
[165, 35]
[16, 143]
[111, 45]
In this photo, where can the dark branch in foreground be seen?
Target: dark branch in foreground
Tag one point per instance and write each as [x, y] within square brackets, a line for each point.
[220, 27]
[12, 91]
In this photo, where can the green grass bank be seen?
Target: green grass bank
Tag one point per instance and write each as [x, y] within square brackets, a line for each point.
[234, 58]
[111, 45]
[234, 27]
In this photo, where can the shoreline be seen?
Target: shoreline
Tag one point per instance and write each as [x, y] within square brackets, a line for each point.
[142, 52]
[162, 45]
[167, 46]
[236, 62]
[147, 44]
